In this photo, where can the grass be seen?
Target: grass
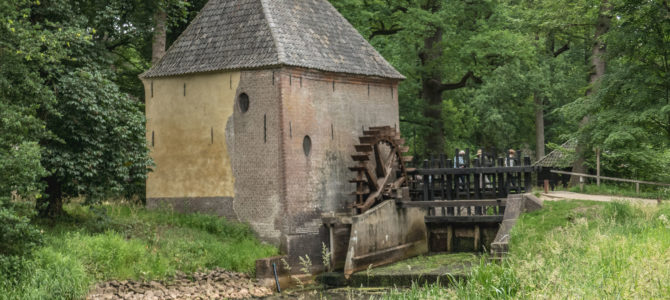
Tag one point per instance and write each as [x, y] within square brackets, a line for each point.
[123, 241]
[573, 250]
[625, 190]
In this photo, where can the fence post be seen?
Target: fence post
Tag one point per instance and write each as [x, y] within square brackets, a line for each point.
[598, 166]
[581, 184]
[637, 187]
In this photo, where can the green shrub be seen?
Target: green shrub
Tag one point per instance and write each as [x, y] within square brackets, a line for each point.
[18, 240]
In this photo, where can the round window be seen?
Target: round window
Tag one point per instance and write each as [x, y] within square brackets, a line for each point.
[307, 145]
[243, 102]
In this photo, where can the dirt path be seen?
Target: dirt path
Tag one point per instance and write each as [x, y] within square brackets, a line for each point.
[216, 284]
[563, 195]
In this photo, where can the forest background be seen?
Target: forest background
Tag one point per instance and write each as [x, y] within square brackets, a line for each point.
[480, 74]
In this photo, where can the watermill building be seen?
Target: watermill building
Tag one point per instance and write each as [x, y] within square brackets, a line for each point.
[254, 111]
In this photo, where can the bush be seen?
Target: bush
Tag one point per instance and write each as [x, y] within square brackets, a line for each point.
[17, 236]
[18, 240]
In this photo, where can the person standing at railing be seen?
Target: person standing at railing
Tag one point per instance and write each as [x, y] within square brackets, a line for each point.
[484, 180]
[510, 161]
[459, 162]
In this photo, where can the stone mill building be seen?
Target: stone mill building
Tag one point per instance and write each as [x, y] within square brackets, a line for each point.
[254, 111]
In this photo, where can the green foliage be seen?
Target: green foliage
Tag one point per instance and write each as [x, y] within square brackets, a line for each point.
[510, 52]
[128, 242]
[99, 146]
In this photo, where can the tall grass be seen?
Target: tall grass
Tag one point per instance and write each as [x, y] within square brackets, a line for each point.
[128, 242]
[574, 250]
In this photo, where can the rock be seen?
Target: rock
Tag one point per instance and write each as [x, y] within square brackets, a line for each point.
[216, 284]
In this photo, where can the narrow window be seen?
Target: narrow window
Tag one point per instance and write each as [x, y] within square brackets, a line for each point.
[290, 79]
[332, 132]
[333, 85]
[368, 90]
[211, 134]
[152, 138]
[307, 145]
[243, 102]
[290, 130]
[152, 89]
[184, 89]
[265, 129]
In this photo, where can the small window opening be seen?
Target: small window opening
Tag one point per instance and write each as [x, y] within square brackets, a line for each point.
[265, 129]
[211, 134]
[243, 102]
[307, 145]
[152, 89]
[184, 89]
[290, 130]
[152, 138]
[332, 132]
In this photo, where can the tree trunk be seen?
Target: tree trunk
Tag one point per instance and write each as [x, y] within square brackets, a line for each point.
[539, 127]
[160, 34]
[598, 63]
[52, 206]
[432, 95]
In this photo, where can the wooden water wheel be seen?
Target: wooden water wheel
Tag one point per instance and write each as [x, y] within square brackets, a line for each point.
[380, 166]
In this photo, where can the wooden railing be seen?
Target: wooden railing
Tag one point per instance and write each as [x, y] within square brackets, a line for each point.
[582, 176]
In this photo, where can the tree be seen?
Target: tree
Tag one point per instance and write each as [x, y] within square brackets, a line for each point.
[87, 134]
[450, 53]
[602, 26]
[629, 108]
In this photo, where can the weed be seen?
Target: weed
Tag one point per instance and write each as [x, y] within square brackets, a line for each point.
[325, 257]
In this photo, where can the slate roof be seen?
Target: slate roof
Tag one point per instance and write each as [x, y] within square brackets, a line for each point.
[249, 34]
[558, 157]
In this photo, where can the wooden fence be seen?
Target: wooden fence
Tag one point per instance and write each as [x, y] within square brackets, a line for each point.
[582, 176]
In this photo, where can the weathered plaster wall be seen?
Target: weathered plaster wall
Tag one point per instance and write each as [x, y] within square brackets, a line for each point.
[186, 121]
[332, 110]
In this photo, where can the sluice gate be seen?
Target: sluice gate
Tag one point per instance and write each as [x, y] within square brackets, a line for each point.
[402, 211]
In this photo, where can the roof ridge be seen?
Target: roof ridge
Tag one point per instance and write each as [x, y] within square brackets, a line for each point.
[281, 56]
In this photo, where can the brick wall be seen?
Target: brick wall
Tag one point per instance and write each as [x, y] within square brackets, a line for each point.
[332, 110]
[255, 137]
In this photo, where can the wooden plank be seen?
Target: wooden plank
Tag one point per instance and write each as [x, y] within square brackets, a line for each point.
[384, 252]
[360, 157]
[611, 178]
[454, 203]
[464, 219]
[363, 148]
[477, 170]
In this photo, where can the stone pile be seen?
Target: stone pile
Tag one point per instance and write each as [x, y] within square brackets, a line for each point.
[216, 284]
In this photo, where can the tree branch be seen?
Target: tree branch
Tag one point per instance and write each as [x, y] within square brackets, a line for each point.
[565, 47]
[384, 32]
[413, 122]
[457, 85]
